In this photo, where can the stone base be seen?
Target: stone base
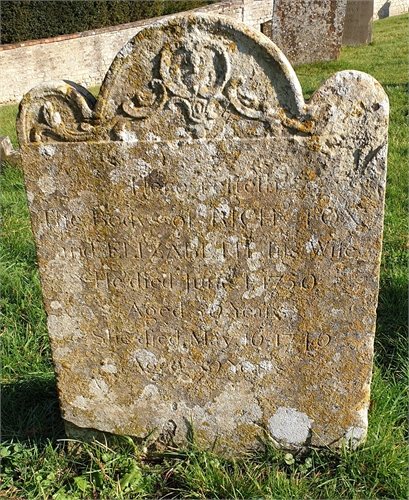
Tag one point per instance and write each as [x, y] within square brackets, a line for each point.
[153, 443]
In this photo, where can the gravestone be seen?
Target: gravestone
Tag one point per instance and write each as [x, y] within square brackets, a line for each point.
[208, 243]
[266, 28]
[358, 22]
[7, 152]
[308, 31]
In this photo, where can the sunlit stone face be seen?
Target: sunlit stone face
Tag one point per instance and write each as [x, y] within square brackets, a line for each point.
[208, 243]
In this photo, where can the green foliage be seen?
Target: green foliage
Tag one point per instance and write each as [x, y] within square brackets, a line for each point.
[33, 19]
[8, 122]
[37, 463]
[24, 335]
[173, 6]
[375, 470]
[72, 470]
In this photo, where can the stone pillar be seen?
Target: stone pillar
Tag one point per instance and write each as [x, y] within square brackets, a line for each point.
[309, 30]
[358, 22]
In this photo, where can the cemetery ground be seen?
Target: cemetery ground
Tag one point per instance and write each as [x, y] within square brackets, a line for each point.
[36, 459]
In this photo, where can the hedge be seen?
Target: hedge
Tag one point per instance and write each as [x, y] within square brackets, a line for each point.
[23, 20]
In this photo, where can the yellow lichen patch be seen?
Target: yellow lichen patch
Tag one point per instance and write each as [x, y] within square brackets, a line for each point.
[313, 143]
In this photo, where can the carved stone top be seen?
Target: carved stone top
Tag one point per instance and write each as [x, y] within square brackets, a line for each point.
[210, 79]
[208, 243]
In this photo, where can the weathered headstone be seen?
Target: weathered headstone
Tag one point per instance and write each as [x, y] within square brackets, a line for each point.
[267, 29]
[358, 22]
[308, 31]
[208, 243]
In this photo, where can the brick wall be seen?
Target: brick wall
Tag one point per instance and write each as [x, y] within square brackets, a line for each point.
[85, 57]
[257, 12]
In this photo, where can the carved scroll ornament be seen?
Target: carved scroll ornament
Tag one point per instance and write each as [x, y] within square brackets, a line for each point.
[202, 81]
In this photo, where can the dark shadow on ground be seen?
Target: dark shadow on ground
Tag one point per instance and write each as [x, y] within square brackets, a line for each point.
[391, 348]
[30, 410]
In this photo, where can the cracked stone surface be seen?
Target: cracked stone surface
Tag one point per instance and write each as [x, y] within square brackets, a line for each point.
[209, 243]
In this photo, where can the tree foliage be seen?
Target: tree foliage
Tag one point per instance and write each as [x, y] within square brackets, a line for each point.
[23, 20]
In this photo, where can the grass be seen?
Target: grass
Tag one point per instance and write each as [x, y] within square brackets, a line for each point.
[7, 122]
[36, 459]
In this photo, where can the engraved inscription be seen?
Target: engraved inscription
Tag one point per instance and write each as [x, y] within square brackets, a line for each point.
[196, 249]
[254, 185]
[211, 278]
[188, 282]
[147, 363]
[237, 217]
